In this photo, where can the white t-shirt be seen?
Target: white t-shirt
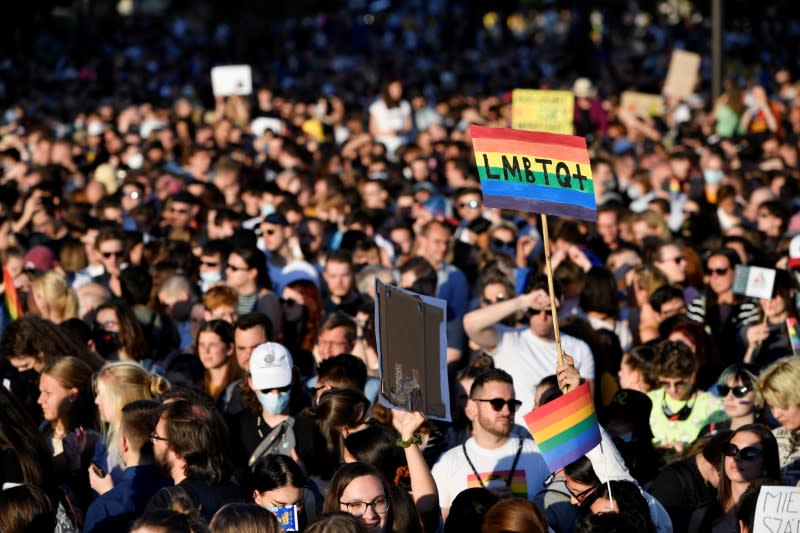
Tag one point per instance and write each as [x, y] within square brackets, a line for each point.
[453, 473]
[530, 359]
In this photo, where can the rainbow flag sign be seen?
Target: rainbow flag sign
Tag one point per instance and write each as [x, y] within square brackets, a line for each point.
[533, 171]
[565, 429]
[794, 338]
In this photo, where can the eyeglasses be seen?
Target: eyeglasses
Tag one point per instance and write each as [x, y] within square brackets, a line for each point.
[677, 260]
[718, 271]
[472, 204]
[738, 392]
[135, 195]
[378, 506]
[210, 264]
[498, 403]
[536, 312]
[156, 436]
[498, 299]
[580, 496]
[746, 454]
[236, 268]
[500, 243]
[117, 253]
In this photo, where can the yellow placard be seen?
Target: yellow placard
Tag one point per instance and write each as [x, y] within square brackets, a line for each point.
[684, 69]
[642, 104]
[538, 110]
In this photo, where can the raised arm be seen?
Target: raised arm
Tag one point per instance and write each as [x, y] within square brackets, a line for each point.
[480, 323]
[423, 487]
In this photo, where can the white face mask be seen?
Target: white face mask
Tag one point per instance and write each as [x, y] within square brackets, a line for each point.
[136, 161]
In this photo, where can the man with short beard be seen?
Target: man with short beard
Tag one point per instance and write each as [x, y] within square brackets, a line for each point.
[492, 458]
[190, 445]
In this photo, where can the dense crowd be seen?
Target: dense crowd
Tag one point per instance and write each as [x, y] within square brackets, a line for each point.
[188, 325]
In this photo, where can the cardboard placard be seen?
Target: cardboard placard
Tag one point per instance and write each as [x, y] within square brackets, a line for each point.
[537, 110]
[232, 79]
[777, 510]
[642, 104]
[684, 69]
[412, 351]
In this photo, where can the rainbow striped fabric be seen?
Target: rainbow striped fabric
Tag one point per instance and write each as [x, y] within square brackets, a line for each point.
[565, 429]
[535, 172]
[519, 483]
[13, 302]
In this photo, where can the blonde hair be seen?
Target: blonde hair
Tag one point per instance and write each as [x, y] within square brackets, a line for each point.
[73, 373]
[126, 382]
[61, 299]
[778, 383]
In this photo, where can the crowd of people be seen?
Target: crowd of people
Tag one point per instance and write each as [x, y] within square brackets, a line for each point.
[188, 330]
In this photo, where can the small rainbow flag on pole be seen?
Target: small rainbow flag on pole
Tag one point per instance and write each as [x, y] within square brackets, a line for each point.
[536, 172]
[565, 429]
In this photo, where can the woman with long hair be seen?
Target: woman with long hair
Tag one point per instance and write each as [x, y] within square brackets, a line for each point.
[624, 498]
[118, 336]
[69, 427]
[116, 385]
[777, 385]
[338, 412]
[751, 453]
[246, 271]
[302, 315]
[54, 298]
[768, 340]
[214, 347]
[719, 309]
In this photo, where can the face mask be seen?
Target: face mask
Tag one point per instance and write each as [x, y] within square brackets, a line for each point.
[292, 312]
[634, 193]
[274, 403]
[626, 437]
[267, 209]
[211, 277]
[404, 212]
[713, 177]
[136, 161]
[106, 342]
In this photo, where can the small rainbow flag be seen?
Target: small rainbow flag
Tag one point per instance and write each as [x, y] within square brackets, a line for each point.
[794, 338]
[13, 303]
[565, 429]
[518, 487]
[533, 171]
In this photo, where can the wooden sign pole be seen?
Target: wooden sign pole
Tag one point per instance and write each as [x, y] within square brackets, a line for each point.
[553, 308]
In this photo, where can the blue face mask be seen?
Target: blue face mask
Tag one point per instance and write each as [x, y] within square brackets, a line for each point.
[713, 177]
[274, 403]
[211, 277]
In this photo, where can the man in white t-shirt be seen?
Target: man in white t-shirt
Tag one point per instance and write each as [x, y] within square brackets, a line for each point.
[528, 354]
[491, 458]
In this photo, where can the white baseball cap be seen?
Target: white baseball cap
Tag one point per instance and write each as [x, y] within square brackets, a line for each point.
[271, 366]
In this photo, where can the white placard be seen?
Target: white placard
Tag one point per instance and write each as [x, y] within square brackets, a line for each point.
[232, 79]
[777, 510]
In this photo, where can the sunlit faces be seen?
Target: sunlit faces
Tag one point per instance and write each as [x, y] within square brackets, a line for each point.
[107, 318]
[743, 468]
[788, 416]
[245, 341]
[482, 413]
[738, 407]
[224, 312]
[672, 262]
[435, 244]
[628, 377]
[112, 255]
[339, 278]
[212, 351]
[333, 342]
[366, 490]
[54, 399]
[720, 274]
[678, 388]
[106, 407]
[280, 497]
[608, 226]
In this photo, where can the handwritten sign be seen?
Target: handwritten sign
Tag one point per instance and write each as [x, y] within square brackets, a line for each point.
[534, 172]
[684, 68]
[777, 510]
[536, 110]
[642, 104]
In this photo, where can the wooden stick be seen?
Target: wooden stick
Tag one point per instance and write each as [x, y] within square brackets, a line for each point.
[550, 286]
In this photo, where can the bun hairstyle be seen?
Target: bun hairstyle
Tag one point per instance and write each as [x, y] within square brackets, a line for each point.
[158, 385]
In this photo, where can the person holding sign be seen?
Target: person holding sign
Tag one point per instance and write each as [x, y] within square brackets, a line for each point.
[768, 340]
[529, 354]
[778, 386]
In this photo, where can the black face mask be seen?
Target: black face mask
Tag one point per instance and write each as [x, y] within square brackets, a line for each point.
[105, 342]
[182, 310]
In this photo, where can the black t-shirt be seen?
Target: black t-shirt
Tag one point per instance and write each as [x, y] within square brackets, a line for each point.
[207, 497]
[681, 489]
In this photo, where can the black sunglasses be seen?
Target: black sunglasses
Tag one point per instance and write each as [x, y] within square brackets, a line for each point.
[500, 298]
[500, 243]
[107, 255]
[498, 403]
[718, 271]
[474, 204]
[746, 454]
[287, 388]
[534, 312]
[738, 392]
